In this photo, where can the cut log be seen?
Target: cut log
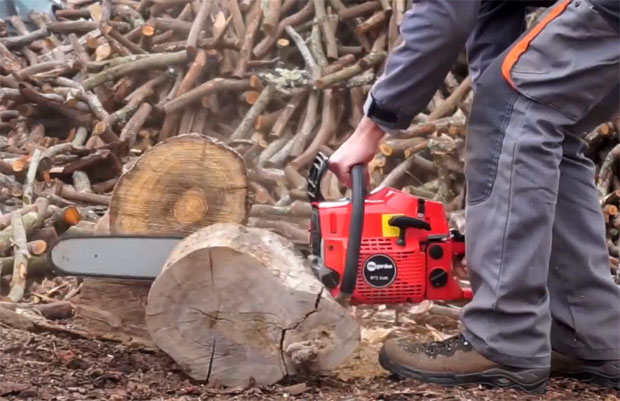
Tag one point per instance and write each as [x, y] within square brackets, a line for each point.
[114, 309]
[177, 187]
[235, 304]
[180, 185]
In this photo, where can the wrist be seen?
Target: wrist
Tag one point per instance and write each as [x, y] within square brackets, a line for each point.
[368, 130]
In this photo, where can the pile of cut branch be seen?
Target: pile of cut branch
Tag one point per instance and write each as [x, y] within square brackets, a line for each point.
[88, 90]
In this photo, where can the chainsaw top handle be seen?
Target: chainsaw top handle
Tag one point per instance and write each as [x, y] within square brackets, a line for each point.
[356, 225]
[356, 221]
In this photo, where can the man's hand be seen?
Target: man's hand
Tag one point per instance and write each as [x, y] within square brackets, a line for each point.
[358, 149]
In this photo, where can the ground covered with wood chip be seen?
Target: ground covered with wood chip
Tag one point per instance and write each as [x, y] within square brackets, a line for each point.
[58, 366]
[105, 103]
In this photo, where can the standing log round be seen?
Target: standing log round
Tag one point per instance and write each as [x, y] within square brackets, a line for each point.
[180, 185]
[234, 303]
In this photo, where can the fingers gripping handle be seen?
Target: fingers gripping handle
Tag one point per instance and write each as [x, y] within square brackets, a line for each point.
[356, 225]
[356, 220]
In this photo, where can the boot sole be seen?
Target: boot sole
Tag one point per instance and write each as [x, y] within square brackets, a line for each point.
[592, 376]
[525, 380]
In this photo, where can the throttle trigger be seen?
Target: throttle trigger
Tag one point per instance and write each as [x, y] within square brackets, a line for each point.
[404, 222]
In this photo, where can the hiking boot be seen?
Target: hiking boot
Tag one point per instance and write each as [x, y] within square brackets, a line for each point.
[455, 362]
[603, 373]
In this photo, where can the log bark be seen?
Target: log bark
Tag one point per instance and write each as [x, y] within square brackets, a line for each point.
[237, 17]
[307, 126]
[52, 311]
[9, 62]
[268, 41]
[81, 182]
[35, 97]
[295, 209]
[329, 123]
[285, 116]
[31, 221]
[253, 20]
[197, 26]
[72, 27]
[316, 45]
[20, 255]
[151, 62]
[130, 131]
[447, 107]
[293, 232]
[30, 176]
[70, 193]
[171, 122]
[211, 86]
[339, 64]
[121, 41]
[24, 40]
[273, 148]
[349, 72]
[372, 22]
[238, 331]
[359, 10]
[113, 309]
[328, 33]
[37, 265]
[105, 186]
[272, 11]
[311, 64]
[606, 171]
[261, 194]
[243, 129]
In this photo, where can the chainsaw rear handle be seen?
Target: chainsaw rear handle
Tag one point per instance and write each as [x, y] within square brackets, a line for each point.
[356, 225]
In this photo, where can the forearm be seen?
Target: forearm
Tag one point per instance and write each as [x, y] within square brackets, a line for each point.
[433, 32]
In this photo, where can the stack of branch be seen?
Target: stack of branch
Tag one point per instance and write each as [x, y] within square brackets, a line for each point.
[25, 236]
[604, 151]
[86, 91]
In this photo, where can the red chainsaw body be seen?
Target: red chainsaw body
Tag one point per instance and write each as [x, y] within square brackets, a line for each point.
[389, 271]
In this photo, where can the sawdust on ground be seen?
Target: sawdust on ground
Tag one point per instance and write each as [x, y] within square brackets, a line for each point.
[45, 366]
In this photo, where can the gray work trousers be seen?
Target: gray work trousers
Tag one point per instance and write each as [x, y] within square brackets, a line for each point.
[536, 248]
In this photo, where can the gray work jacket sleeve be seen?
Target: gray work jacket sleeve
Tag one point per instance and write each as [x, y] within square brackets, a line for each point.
[434, 32]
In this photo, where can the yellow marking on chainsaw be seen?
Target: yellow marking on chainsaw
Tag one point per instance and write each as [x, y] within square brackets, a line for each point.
[386, 228]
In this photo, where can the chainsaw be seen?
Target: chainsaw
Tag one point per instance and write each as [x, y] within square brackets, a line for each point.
[389, 247]
[386, 248]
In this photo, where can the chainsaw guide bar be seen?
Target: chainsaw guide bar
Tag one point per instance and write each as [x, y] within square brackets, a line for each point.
[134, 257]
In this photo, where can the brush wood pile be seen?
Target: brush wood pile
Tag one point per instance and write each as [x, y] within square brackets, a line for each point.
[165, 116]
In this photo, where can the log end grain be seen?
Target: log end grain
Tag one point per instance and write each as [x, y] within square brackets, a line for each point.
[234, 303]
[180, 185]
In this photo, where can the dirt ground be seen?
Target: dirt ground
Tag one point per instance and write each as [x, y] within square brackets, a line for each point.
[46, 366]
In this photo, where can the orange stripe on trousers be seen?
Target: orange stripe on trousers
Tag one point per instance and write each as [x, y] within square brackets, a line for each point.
[513, 55]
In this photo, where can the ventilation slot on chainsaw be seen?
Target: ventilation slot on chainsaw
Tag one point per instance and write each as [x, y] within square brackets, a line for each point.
[376, 245]
[408, 285]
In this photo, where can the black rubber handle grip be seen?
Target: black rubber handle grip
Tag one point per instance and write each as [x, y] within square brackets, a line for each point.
[409, 222]
[356, 225]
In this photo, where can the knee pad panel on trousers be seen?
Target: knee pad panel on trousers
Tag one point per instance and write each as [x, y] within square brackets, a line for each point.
[488, 121]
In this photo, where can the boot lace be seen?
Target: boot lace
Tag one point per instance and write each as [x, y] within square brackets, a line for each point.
[447, 346]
